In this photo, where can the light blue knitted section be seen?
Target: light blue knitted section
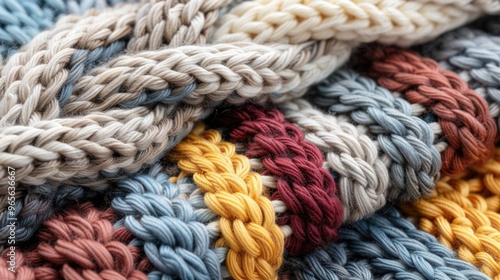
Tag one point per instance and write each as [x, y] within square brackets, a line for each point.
[475, 56]
[177, 244]
[406, 139]
[384, 246]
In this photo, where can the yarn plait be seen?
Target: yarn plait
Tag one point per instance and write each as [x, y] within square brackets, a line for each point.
[363, 177]
[308, 191]
[235, 193]
[462, 113]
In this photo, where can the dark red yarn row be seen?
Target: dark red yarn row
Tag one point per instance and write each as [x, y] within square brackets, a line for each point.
[462, 113]
[309, 192]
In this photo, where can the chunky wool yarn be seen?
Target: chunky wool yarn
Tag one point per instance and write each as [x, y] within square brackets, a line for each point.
[350, 155]
[177, 245]
[234, 193]
[475, 56]
[462, 113]
[398, 22]
[406, 140]
[464, 214]
[81, 243]
[307, 191]
[384, 246]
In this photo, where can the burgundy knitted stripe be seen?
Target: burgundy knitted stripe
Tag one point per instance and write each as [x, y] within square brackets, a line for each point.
[313, 210]
[462, 113]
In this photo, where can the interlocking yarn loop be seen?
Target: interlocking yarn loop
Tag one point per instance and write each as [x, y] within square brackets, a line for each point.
[462, 113]
[362, 177]
[235, 193]
[464, 214]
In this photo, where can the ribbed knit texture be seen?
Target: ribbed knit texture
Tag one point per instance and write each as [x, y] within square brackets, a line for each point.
[235, 193]
[350, 155]
[464, 214]
[404, 139]
[384, 246]
[462, 113]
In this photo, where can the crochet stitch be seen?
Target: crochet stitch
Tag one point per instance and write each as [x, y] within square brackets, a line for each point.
[306, 189]
[405, 139]
[234, 193]
[462, 113]
[464, 214]
[384, 246]
[361, 176]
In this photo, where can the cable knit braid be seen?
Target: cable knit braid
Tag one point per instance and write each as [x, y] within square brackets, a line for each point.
[407, 141]
[462, 113]
[174, 242]
[400, 22]
[463, 214]
[384, 246]
[80, 243]
[475, 56]
[362, 177]
[234, 193]
[36, 205]
[307, 190]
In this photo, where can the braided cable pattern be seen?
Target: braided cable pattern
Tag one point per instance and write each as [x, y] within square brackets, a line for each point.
[174, 242]
[398, 22]
[384, 246]
[475, 56]
[307, 190]
[464, 214]
[235, 193]
[462, 113]
[407, 140]
[80, 243]
[363, 178]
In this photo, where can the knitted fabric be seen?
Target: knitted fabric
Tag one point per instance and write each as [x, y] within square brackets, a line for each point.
[462, 113]
[22, 20]
[349, 153]
[464, 214]
[80, 243]
[175, 243]
[308, 191]
[475, 56]
[234, 193]
[384, 246]
[406, 140]
[398, 22]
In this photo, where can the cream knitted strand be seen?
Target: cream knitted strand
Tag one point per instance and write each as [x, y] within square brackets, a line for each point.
[363, 176]
[400, 22]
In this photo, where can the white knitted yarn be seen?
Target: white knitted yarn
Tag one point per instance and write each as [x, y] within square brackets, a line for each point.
[363, 176]
[400, 22]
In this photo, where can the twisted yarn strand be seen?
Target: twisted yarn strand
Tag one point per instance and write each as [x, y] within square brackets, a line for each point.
[362, 177]
[405, 139]
[384, 246]
[307, 190]
[174, 242]
[234, 193]
[463, 213]
[462, 113]
[399, 22]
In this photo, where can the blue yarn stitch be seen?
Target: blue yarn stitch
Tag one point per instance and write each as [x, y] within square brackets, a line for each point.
[384, 246]
[174, 241]
[406, 139]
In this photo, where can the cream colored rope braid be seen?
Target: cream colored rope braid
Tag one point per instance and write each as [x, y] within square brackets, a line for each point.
[401, 22]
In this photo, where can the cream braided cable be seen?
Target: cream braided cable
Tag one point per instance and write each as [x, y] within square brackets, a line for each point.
[400, 22]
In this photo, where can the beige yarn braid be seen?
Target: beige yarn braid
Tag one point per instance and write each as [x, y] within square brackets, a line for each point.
[400, 22]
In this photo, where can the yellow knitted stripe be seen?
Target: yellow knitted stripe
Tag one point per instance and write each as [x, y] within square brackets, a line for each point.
[463, 213]
[247, 220]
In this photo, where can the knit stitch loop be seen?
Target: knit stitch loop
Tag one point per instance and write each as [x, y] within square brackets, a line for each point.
[234, 193]
[363, 177]
[407, 140]
[463, 114]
